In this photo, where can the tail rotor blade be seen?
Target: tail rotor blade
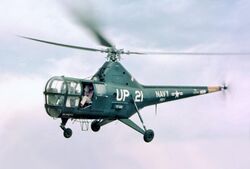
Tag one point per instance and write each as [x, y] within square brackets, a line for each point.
[226, 88]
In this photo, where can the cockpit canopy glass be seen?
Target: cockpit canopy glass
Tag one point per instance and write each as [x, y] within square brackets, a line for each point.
[56, 86]
[62, 92]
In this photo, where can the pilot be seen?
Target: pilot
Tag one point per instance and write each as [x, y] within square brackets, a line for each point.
[88, 93]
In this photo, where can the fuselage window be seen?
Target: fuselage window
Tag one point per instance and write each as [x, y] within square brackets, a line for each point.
[100, 89]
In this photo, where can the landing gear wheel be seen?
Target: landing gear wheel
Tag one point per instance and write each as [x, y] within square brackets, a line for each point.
[148, 135]
[67, 133]
[95, 126]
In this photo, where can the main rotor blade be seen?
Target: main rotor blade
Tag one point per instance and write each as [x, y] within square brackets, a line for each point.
[90, 22]
[102, 40]
[63, 45]
[186, 53]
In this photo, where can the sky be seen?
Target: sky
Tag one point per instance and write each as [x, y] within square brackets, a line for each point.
[211, 131]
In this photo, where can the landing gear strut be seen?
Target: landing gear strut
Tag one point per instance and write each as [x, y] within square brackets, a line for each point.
[148, 135]
[67, 132]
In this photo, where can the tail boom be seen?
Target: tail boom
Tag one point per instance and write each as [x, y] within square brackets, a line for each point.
[161, 94]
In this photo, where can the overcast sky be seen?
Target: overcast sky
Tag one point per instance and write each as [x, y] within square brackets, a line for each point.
[205, 132]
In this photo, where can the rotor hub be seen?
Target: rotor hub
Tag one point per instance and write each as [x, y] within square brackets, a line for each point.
[114, 54]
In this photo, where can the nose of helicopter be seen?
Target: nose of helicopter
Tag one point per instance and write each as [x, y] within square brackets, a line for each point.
[61, 94]
[54, 96]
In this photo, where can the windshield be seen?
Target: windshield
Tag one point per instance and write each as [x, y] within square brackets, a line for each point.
[56, 86]
[62, 92]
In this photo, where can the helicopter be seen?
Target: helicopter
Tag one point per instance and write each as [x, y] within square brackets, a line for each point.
[112, 93]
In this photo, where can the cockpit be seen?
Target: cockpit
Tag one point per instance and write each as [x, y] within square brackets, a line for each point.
[63, 92]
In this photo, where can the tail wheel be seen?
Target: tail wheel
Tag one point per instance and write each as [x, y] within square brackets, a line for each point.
[95, 126]
[148, 136]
